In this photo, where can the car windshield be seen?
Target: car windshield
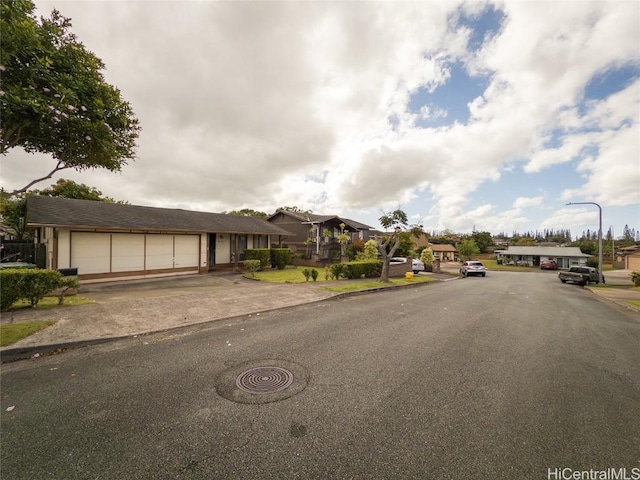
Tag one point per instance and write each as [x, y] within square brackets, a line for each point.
[475, 264]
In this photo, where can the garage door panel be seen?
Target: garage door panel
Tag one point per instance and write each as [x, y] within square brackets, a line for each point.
[127, 251]
[633, 263]
[187, 249]
[159, 252]
[91, 252]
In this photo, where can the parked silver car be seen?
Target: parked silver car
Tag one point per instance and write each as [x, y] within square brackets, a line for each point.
[472, 267]
[416, 264]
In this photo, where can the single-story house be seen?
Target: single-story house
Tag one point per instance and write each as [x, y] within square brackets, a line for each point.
[564, 257]
[111, 240]
[441, 251]
[316, 234]
[629, 257]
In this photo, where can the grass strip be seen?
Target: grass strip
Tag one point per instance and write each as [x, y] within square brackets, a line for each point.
[13, 332]
[368, 285]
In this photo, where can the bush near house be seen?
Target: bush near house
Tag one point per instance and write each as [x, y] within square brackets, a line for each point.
[252, 266]
[262, 254]
[31, 285]
[635, 278]
[280, 257]
[356, 269]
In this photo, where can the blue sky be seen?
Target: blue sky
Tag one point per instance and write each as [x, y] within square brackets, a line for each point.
[479, 114]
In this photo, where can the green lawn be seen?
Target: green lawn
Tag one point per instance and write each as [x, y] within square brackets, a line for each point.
[12, 332]
[354, 285]
[52, 302]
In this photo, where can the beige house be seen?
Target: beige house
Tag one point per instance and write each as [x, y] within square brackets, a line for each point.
[110, 240]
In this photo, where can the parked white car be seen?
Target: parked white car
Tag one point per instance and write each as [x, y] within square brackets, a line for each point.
[416, 265]
[472, 268]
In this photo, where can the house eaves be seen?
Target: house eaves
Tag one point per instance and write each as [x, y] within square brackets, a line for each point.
[86, 214]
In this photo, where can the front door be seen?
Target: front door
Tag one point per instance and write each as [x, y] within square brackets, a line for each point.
[212, 250]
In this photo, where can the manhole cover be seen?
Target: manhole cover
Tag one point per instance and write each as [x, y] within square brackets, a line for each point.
[261, 381]
[264, 380]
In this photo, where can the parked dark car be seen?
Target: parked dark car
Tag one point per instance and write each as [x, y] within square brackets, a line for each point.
[548, 265]
[581, 275]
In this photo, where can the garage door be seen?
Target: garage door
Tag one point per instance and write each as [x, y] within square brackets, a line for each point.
[633, 263]
[187, 250]
[104, 253]
[91, 252]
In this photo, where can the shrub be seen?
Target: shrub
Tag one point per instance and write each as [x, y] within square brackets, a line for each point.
[252, 266]
[280, 257]
[314, 274]
[592, 262]
[10, 287]
[31, 285]
[356, 269]
[307, 273]
[635, 277]
[37, 283]
[262, 254]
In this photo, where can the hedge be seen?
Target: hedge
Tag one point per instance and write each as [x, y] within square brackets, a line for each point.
[356, 269]
[31, 284]
[262, 254]
[280, 257]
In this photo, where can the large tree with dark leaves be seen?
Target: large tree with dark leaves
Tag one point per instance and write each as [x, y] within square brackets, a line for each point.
[54, 98]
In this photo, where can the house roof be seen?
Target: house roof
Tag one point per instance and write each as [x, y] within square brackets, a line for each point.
[546, 251]
[68, 212]
[442, 247]
[315, 218]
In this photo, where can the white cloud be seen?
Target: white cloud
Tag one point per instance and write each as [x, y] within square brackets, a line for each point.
[264, 104]
[523, 202]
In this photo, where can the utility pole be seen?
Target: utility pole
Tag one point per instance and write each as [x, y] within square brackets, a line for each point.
[600, 276]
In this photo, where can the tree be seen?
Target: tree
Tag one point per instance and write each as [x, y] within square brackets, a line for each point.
[467, 248]
[293, 209]
[247, 212]
[69, 189]
[483, 240]
[13, 208]
[426, 257]
[54, 98]
[387, 245]
[526, 242]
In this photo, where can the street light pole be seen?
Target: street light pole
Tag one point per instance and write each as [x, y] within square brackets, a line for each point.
[613, 248]
[600, 276]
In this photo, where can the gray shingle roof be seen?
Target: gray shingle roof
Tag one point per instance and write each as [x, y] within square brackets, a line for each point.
[67, 212]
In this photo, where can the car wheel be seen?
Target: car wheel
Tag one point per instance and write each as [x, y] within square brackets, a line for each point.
[563, 281]
[483, 274]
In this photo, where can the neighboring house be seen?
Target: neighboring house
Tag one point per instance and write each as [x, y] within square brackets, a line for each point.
[564, 257]
[441, 251]
[629, 257]
[111, 240]
[308, 232]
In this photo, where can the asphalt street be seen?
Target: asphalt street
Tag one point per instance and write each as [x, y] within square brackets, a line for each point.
[505, 377]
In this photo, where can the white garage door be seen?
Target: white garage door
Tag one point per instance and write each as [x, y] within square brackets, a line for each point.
[96, 253]
[159, 251]
[187, 250]
[91, 252]
[127, 252]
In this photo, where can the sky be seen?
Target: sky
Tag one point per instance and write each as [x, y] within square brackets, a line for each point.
[487, 116]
